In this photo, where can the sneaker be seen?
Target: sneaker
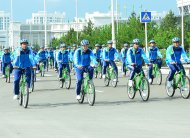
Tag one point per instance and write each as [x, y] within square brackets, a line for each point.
[104, 76]
[3, 76]
[60, 79]
[15, 97]
[169, 84]
[150, 80]
[37, 71]
[78, 97]
[130, 83]
[114, 80]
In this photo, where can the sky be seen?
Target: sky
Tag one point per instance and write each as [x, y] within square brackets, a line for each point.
[23, 9]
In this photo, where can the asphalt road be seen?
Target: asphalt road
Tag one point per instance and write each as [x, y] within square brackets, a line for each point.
[55, 113]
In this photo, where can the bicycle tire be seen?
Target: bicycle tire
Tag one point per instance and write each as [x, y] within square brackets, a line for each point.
[169, 92]
[26, 96]
[91, 96]
[82, 94]
[182, 89]
[131, 95]
[144, 89]
[68, 81]
[114, 79]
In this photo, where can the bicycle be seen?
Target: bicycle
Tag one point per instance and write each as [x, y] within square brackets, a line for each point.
[98, 71]
[50, 62]
[141, 84]
[7, 74]
[33, 79]
[24, 90]
[111, 75]
[157, 74]
[180, 81]
[66, 78]
[42, 69]
[88, 89]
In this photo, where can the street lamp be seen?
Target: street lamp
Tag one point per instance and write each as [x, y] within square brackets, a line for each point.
[77, 19]
[113, 24]
[45, 23]
[182, 25]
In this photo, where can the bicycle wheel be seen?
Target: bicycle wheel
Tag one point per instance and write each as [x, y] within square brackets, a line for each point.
[144, 89]
[131, 92]
[91, 93]
[32, 85]
[61, 83]
[25, 96]
[114, 79]
[20, 96]
[159, 77]
[169, 90]
[68, 81]
[106, 81]
[185, 87]
[82, 94]
[96, 73]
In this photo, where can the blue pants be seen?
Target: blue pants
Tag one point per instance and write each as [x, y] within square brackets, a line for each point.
[107, 63]
[4, 65]
[17, 76]
[79, 76]
[55, 65]
[1, 66]
[150, 68]
[133, 70]
[123, 65]
[61, 67]
[173, 69]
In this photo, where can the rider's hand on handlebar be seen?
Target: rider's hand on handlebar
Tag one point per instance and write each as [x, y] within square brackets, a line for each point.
[173, 63]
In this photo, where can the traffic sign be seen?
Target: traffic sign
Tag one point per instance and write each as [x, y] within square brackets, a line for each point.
[145, 17]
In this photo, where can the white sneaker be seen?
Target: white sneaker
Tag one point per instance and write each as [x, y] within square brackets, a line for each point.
[169, 84]
[78, 97]
[37, 71]
[104, 76]
[15, 97]
[130, 83]
[3, 76]
[114, 80]
[150, 80]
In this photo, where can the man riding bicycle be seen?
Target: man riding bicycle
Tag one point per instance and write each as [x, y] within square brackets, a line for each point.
[24, 60]
[109, 56]
[63, 59]
[154, 57]
[173, 59]
[6, 60]
[83, 57]
[123, 55]
[97, 53]
[42, 57]
[134, 60]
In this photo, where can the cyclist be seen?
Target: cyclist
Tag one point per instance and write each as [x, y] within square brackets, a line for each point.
[50, 55]
[154, 57]
[55, 56]
[97, 53]
[24, 60]
[63, 59]
[134, 60]
[123, 55]
[42, 57]
[71, 54]
[6, 60]
[173, 59]
[83, 57]
[108, 56]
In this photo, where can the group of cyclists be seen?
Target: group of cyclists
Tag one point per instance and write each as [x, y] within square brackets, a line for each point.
[84, 59]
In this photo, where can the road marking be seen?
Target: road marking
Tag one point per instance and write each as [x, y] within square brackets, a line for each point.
[99, 91]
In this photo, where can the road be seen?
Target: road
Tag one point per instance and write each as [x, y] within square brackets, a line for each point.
[55, 113]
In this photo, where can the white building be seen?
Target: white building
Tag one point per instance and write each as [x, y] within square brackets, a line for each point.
[186, 6]
[4, 25]
[38, 18]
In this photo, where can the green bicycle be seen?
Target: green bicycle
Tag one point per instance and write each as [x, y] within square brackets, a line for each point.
[157, 74]
[140, 82]
[111, 75]
[7, 74]
[66, 78]
[50, 62]
[42, 69]
[24, 90]
[87, 89]
[98, 71]
[180, 81]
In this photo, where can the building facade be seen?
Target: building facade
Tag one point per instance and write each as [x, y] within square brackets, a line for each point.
[185, 5]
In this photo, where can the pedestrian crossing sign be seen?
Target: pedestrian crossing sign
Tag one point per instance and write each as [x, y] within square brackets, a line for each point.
[145, 17]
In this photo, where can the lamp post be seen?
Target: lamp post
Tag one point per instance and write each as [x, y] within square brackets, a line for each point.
[113, 24]
[45, 23]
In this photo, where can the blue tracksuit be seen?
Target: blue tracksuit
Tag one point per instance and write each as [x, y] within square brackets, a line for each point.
[6, 61]
[135, 57]
[174, 54]
[123, 55]
[153, 56]
[63, 61]
[42, 57]
[24, 60]
[108, 57]
[83, 59]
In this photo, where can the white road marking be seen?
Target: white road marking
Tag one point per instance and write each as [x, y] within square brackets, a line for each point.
[99, 91]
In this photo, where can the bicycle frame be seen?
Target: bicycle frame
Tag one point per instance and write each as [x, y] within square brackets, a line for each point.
[23, 82]
[155, 69]
[85, 83]
[110, 72]
[178, 80]
[41, 66]
[64, 73]
[137, 83]
[7, 71]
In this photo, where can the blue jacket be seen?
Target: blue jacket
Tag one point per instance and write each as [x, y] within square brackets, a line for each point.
[154, 53]
[23, 58]
[63, 57]
[50, 53]
[6, 58]
[123, 52]
[174, 54]
[97, 53]
[136, 56]
[42, 55]
[83, 59]
[110, 54]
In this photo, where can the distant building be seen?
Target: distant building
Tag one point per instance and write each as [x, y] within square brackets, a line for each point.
[4, 25]
[186, 6]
